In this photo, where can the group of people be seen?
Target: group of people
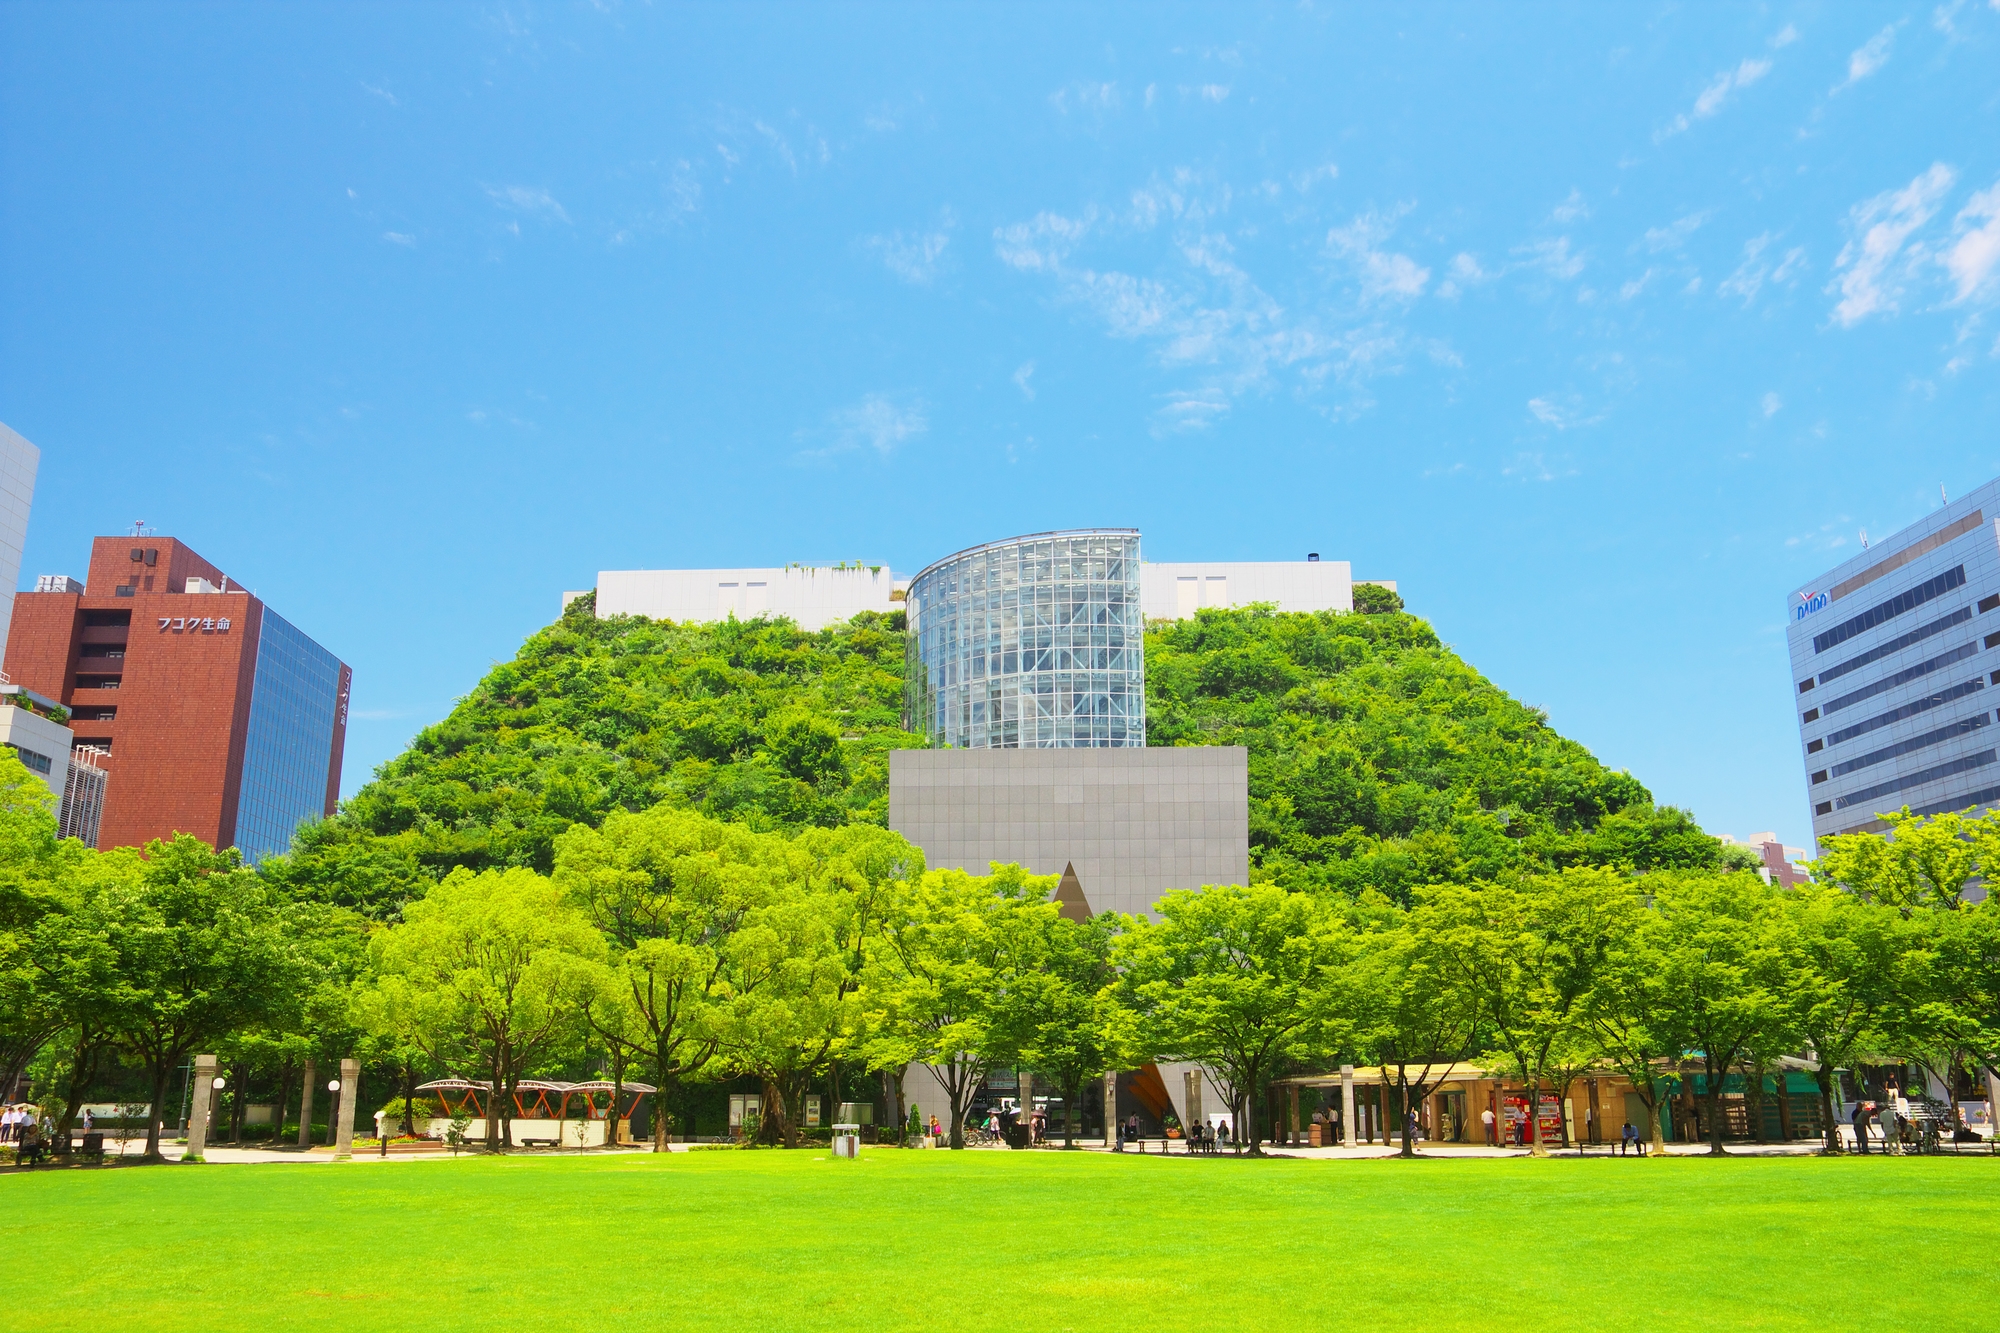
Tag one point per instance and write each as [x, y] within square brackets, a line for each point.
[19, 1127]
[14, 1121]
[1200, 1137]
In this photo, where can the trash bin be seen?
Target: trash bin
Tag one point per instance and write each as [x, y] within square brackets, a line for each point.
[847, 1140]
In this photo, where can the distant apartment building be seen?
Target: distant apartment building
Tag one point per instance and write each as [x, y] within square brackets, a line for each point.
[1893, 655]
[204, 710]
[1778, 863]
[19, 461]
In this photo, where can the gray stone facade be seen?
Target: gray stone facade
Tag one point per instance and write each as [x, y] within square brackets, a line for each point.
[1134, 823]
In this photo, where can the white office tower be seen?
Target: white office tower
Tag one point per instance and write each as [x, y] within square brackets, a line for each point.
[1894, 668]
[19, 461]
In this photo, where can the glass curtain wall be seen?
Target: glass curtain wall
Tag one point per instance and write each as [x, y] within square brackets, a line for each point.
[293, 699]
[1037, 641]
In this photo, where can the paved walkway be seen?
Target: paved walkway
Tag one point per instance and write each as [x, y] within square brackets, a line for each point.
[132, 1148]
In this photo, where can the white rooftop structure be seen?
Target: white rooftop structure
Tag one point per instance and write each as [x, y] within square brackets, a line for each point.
[813, 596]
[1177, 591]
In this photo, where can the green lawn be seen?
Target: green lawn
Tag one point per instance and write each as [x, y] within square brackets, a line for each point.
[1005, 1241]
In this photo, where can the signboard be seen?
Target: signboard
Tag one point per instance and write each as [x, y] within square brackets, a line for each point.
[1809, 603]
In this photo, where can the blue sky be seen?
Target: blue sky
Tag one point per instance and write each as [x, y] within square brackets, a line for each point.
[1597, 327]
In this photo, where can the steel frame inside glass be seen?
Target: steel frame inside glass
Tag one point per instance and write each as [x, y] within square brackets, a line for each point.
[1035, 641]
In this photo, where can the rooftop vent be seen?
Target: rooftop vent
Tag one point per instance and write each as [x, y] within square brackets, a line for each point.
[1312, 557]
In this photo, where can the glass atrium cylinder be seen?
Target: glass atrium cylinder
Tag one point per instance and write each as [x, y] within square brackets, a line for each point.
[1035, 641]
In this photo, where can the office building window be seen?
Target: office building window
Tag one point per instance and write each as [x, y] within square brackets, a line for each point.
[38, 763]
[1903, 677]
[1910, 709]
[1910, 746]
[1889, 610]
[1896, 645]
[1947, 769]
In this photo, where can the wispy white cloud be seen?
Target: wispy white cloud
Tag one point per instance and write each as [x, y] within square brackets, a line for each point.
[1303, 181]
[1771, 404]
[1207, 320]
[1384, 274]
[1785, 37]
[1024, 380]
[1867, 58]
[1658, 240]
[1760, 265]
[1877, 259]
[1570, 209]
[1040, 244]
[382, 93]
[1715, 96]
[1465, 271]
[1537, 467]
[1552, 257]
[1974, 257]
[915, 257]
[399, 238]
[1214, 92]
[527, 200]
[1562, 411]
[1086, 97]
[880, 421]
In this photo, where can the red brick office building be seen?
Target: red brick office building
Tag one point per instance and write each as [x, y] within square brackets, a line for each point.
[218, 717]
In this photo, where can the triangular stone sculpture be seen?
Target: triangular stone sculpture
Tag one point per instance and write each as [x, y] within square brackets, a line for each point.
[1071, 905]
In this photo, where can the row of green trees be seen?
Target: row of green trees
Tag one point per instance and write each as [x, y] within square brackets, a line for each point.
[680, 949]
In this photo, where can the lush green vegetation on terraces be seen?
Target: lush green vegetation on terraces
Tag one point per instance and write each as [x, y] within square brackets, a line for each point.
[1378, 757]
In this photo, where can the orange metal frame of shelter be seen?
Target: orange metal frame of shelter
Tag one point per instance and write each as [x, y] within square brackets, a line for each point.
[550, 1100]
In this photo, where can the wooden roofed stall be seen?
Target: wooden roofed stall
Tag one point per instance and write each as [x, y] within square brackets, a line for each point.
[568, 1115]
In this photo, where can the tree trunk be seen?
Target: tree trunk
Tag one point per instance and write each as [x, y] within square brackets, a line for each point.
[161, 1071]
[409, 1096]
[85, 1056]
[1714, 1099]
[1536, 1147]
[284, 1100]
[669, 1084]
[892, 1097]
[1784, 1106]
[496, 1096]
[306, 1089]
[1824, 1076]
[236, 1108]
[1250, 1118]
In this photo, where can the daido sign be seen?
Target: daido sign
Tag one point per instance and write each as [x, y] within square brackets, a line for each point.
[1809, 602]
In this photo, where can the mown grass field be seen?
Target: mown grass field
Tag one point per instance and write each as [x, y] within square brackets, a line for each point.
[1013, 1241]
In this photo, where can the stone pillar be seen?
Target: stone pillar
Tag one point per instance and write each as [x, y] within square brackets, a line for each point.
[1347, 1106]
[1194, 1077]
[1111, 1108]
[200, 1098]
[350, 1086]
[306, 1106]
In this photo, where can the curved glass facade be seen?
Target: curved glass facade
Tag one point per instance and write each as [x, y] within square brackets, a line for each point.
[1031, 642]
